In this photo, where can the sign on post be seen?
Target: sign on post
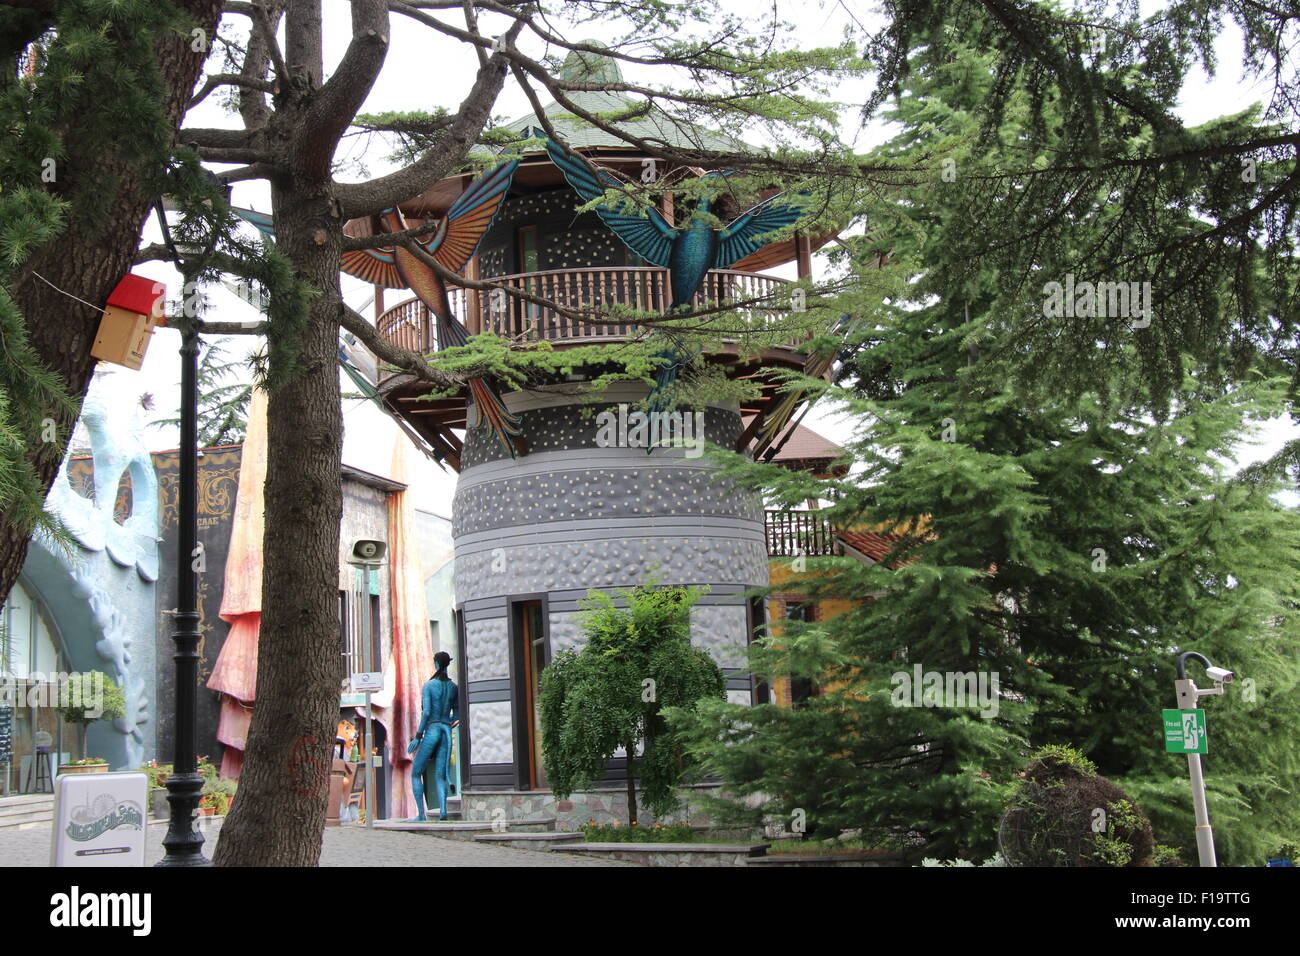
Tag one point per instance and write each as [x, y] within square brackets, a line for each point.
[367, 682]
[1185, 732]
[99, 819]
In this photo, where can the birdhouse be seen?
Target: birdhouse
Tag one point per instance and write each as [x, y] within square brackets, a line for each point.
[134, 310]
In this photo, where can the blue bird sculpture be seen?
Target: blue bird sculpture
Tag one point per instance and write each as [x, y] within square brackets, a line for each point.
[689, 252]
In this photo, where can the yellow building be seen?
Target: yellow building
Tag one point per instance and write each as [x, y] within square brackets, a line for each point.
[794, 535]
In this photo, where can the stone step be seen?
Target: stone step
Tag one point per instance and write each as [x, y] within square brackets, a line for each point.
[522, 840]
[866, 858]
[465, 830]
[26, 810]
[671, 854]
[540, 825]
[24, 800]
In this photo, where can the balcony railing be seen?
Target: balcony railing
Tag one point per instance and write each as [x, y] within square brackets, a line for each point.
[799, 534]
[643, 288]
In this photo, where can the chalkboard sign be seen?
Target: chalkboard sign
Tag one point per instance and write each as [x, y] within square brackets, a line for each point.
[6, 735]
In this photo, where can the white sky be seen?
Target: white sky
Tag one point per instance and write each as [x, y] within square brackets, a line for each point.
[425, 70]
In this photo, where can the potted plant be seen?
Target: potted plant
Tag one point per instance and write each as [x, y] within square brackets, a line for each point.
[218, 795]
[86, 698]
[85, 765]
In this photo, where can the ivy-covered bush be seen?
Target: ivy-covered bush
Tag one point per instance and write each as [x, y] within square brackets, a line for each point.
[1064, 814]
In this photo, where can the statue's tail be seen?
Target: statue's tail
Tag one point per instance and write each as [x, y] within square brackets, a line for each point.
[494, 416]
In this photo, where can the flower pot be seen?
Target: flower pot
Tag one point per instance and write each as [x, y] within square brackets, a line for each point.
[83, 768]
[158, 804]
[208, 811]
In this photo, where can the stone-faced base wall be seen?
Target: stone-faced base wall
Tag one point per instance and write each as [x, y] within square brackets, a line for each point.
[603, 806]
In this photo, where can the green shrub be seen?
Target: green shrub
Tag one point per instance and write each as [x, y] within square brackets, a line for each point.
[594, 832]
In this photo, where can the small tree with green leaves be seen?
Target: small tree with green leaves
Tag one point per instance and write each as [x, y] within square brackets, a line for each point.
[85, 700]
[637, 661]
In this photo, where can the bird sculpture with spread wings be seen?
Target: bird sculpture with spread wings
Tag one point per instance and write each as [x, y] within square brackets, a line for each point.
[688, 251]
[452, 244]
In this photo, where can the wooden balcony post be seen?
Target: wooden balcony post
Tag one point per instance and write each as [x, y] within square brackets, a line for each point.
[474, 305]
[803, 255]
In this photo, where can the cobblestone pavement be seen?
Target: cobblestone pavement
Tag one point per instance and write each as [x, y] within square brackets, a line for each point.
[343, 846]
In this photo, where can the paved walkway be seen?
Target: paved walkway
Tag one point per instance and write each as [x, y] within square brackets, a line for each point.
[343, 846]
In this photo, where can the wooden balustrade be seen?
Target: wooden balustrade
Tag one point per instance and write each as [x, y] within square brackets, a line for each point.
[799, 534]
[642, 288]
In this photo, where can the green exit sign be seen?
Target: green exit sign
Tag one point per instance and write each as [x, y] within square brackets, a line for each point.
[1185, 732]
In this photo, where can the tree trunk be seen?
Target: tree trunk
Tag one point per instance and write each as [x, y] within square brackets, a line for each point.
[631, 785]
[299, 668]
[88, 261]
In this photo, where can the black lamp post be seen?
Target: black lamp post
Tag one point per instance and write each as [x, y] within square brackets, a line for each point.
[183, 844]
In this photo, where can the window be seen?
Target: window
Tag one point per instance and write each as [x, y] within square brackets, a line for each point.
[802, 689]
[27, 646]
[530, 261]
[345, 641]
[355, 626]
[757, 630]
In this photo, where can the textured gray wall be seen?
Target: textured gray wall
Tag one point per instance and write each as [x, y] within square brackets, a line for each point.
[572, 516]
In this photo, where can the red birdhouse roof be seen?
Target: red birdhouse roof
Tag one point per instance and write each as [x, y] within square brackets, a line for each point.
[137, 294]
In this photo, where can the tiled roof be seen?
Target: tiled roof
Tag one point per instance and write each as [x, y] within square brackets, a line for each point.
[874, 546]
[654, 124]
[803, 444]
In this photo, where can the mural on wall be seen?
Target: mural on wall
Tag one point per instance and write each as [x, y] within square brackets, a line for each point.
[233, 676]
[218, 483]
[116, 564]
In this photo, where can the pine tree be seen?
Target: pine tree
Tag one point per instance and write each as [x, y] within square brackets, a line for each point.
[1065, 541]
[222, 405]
[91, 93]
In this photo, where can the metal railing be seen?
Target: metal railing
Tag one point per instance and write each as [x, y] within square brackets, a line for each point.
[799, 534]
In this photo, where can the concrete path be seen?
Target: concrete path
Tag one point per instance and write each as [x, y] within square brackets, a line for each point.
[344, 846]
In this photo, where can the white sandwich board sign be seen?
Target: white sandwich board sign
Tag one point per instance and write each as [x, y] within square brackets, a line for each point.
[99, 819]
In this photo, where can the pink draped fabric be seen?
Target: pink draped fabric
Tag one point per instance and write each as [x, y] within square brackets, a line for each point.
[235, 673]
[411, 662]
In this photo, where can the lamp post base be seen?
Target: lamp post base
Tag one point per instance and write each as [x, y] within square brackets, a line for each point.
[183, 843]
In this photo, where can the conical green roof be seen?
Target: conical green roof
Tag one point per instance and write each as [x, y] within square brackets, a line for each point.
[583, 66]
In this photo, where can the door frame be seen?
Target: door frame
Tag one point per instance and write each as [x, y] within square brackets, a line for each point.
[519, 690]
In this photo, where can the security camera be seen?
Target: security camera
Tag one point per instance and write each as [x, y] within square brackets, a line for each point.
[369, 551]
[1219, 675]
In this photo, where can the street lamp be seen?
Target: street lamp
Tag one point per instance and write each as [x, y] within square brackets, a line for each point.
[1188, 694]
[183, 844]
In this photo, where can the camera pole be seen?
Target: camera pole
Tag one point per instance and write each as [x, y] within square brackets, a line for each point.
[1188, 693]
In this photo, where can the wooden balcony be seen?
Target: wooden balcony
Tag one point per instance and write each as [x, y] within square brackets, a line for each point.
[438, 420]
[644, 288]
[792, 534]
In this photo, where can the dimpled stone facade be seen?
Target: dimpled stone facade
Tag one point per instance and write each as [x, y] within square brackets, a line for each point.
[572, 516]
